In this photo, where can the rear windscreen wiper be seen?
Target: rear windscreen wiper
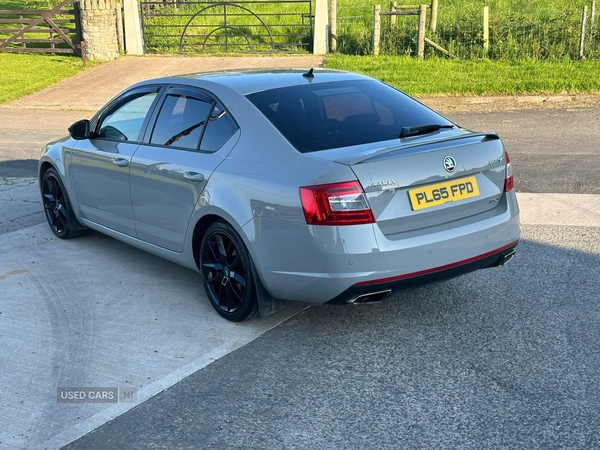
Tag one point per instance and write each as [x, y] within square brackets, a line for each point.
[421, 129]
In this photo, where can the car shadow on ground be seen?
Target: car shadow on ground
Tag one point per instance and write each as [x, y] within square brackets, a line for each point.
[23, 168]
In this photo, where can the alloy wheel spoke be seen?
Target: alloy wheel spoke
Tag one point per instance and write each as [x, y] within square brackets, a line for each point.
[238, 279]
[228, 252]
[220, 295]
[215, 271]
[50, 198]
[60, 220]
[62, 211]
[239, 293]
[49, 186]
[221, 247]
[236, 262]
[214, 266]
[214, 253]
[229, 296]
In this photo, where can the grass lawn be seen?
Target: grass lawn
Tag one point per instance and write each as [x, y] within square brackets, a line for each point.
[24, 73]
[453, 77]
[12, 4]
[21, 74]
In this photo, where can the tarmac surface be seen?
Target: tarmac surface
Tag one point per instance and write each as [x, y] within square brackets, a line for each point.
[501, 358]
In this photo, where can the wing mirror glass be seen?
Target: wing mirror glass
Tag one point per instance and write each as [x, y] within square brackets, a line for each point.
[80, 129]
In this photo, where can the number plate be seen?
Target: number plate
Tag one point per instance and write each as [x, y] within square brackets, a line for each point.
[438, 194]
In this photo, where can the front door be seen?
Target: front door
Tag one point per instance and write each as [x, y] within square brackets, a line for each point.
[192, 135]
[100, 165]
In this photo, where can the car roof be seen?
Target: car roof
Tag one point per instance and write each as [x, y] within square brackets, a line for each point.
[249, 81]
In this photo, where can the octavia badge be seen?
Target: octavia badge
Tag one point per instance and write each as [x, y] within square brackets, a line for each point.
[449, 163]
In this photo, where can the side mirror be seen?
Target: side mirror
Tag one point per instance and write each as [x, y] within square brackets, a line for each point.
[80, 129]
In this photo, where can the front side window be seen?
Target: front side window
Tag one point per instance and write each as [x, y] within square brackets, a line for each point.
[322, 116]
[181, 121]
[125, 123]
[219, 129]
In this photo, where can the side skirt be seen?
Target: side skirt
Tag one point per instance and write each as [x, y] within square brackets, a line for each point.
[178, 258]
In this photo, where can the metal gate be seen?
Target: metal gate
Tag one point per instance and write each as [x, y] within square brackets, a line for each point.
[25, 30]
[247, 26]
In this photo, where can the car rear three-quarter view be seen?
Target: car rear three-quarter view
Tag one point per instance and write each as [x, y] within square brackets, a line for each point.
[319, 186]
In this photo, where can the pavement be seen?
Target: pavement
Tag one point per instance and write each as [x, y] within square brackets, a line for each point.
[97, 312]
[501, 358]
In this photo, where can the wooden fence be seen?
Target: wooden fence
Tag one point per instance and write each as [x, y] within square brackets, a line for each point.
[23, 30]
[421, 11]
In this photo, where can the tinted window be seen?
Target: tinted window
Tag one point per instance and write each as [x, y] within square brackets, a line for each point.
[220, 127]
[125, 123]
[329, 115]
[181, 121]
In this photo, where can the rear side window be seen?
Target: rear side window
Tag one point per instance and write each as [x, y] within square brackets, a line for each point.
[219, 129]
[322, 116]
[181, 121]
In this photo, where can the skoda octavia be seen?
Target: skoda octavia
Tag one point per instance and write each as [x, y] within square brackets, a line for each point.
[320, 186]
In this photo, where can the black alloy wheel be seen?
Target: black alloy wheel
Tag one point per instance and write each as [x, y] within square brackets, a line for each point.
[57, 208]
[55, 205]
[226, 273]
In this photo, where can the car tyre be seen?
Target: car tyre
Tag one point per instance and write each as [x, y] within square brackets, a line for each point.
[57, 208]
[227, 273]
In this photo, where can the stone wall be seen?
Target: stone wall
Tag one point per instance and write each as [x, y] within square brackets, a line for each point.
[99, 29]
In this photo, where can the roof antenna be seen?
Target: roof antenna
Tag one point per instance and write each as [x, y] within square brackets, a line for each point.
[308, 74]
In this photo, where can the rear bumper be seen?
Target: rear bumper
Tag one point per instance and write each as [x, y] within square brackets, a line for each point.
[389, 286]
[320, 264]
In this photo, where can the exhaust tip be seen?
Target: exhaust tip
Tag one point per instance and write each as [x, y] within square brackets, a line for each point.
[370, 297]
[506, 258]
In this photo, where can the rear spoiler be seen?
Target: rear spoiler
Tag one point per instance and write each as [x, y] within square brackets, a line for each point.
[364, 156]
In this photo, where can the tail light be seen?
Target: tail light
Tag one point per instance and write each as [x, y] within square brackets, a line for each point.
[336, 204]
[509, 183]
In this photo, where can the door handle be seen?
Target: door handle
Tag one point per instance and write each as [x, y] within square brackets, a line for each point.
[194, 177]
[121, 162]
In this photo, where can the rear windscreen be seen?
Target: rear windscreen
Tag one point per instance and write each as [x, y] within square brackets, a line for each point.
[321, 116]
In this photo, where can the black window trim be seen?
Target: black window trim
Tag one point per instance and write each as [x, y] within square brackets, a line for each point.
[179, 89]
[119, 101]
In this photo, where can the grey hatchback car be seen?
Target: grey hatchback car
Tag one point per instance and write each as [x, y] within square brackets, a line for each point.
[320, 186]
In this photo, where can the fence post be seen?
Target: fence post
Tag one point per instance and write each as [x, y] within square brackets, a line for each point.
[582, 40]
[393, 18]
[421, 33]
[333, 25]
[77, 16]
[119, 19]
[376, 29]
[434, 14]
[486, 31]
[593, 18]
[132, 28]
[320, 38]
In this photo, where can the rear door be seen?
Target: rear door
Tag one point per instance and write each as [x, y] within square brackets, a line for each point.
[99, 166]
[191, 135]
